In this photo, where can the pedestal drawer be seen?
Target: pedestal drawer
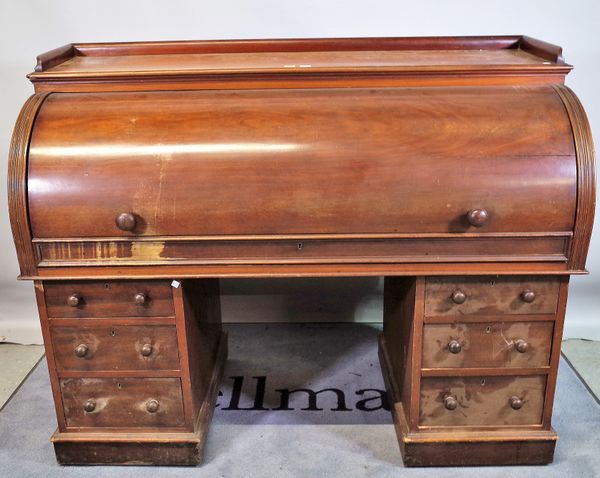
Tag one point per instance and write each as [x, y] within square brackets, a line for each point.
[109, 299]
[482, 401]
[114, 347]
[122, 402]
[493, 344]
[490, 296]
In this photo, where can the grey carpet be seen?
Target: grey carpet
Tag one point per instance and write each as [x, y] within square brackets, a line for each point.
[347, 442]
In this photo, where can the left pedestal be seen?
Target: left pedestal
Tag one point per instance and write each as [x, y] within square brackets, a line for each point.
[134, 366]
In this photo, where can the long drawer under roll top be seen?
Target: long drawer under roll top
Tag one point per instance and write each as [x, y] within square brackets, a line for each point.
[464, 173]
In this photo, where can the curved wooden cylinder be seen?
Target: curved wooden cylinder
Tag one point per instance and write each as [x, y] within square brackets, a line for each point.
[17, 183]
[351, 164]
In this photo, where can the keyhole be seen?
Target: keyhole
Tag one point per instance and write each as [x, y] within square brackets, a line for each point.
[493, 283]
[488, 329]
[119, 386]
[112, 332]
[106, 286]
[483, 382]
[299, 246]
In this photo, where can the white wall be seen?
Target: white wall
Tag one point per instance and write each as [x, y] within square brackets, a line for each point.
[29, 27]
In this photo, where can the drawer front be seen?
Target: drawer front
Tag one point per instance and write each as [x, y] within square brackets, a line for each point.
[122, 402]
[482, 401]
[109, 299]
[494, 344]
[302, 161]
[112, 347]
[490, 296]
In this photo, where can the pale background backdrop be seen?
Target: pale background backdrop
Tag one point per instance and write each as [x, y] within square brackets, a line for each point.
[30, 27]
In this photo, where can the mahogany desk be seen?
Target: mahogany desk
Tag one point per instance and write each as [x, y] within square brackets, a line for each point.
[461, 169]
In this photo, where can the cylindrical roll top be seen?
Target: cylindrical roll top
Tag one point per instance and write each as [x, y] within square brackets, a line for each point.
[398, 160]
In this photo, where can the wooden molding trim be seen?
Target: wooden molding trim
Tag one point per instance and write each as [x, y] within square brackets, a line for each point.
[542, 49]
[17, 183]
[300, 270]
[550, 71]
[299, 44]
[586, 180]
[51, 58]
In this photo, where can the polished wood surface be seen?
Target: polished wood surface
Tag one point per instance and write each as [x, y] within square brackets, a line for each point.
[112, 347]
[301, 63]
[490, 296]
[17, 183]
[114, 402]
[463, 359]
[205, 174]
[305, 249]
[108, 299]
[481, 401]
[586, 178]
[487, 344]
[460, 169]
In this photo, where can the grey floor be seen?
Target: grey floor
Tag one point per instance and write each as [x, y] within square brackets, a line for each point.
[271, 442]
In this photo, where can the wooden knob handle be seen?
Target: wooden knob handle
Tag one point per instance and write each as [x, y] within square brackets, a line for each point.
[126, 221]
[528, 296]
[74, 300]
[521, 346]
[152, 406]
[515, 403]
[450, 403]
[90, 405]
[140, 298]
[458, 296]
[146, 350]
[454, 346]
[477, 217]
[81, 350]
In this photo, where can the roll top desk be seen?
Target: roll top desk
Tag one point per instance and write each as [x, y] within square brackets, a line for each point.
[460, 169]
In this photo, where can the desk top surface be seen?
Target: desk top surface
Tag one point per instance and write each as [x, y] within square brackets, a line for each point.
[304, 59]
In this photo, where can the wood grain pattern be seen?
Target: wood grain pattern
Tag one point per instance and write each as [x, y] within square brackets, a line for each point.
[52, 274]
[17, 183]
[113, 347]
[122, 402]
[304, 81]
[490, 296]
[460, 169]
[555, 351]
[304, 250]
[487, 344]
[50, 354]
[439, 446]
[586, 176]
[300, 62]
[324, 176]
[204, 334]
[109, 299]
[398, 329]
[482, 401]
[55, 57]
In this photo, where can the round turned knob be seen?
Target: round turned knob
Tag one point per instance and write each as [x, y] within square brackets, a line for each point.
[140, 298]
[146, 350]
[454, 346]
[450, 402]
[81, 350]
[74, 300]
[477, 217]
[521, 346]
[528, 296]
[515, 403]
[90, 405]
[152, 406]
[458, 296]
[126, 221]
